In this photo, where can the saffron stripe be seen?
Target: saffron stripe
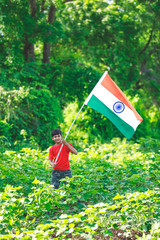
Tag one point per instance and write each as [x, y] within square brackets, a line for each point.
[111, 86]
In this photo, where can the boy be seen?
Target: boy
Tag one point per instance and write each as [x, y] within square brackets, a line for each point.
[61, 169]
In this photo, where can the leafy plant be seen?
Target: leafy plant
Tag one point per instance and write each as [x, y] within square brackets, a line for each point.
[111, 190]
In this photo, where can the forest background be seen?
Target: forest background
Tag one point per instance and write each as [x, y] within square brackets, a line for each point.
[53, 52]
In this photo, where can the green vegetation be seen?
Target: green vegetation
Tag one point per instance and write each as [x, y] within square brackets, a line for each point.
[111, 189]
[52, 55]
[54, 52]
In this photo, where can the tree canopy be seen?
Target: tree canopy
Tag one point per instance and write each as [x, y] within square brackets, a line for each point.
[62, 47]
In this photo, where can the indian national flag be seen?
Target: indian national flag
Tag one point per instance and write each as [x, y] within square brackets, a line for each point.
[108, 99]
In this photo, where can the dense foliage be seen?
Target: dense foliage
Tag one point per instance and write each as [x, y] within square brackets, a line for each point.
[111, 189]
[53, 52]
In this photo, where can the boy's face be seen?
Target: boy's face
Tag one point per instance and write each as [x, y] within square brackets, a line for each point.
[57, 138]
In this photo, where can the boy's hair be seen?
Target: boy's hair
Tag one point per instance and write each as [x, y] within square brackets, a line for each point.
[56, 132]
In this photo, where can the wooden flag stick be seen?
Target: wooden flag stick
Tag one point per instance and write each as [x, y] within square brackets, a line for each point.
[68, 132]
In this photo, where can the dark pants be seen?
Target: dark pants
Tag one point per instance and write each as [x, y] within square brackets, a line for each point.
[57, 175]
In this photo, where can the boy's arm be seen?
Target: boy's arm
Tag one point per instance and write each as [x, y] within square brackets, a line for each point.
[51, 157]
[73, 150]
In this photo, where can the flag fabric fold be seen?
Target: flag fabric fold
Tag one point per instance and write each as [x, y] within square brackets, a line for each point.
[108, 99]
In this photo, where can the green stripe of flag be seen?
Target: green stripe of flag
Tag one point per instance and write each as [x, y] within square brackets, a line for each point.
[123, 127]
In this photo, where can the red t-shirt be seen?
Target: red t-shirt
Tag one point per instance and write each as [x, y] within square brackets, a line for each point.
[63, 159]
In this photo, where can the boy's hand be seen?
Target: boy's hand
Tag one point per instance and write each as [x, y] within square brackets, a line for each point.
[53, 164]
[64, 141]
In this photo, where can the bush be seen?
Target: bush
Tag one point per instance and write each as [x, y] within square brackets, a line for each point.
[33, 109]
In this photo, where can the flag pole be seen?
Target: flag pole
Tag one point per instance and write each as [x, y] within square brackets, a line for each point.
[69, 131]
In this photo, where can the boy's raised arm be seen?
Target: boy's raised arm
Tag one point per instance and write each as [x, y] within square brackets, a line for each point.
[73, 150]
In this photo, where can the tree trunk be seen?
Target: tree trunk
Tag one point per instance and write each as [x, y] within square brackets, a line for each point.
[29, 54]
[46, 52]
[46, 46]
[33, 7]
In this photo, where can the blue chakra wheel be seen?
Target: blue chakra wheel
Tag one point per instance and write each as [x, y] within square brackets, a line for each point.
[118, 107]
